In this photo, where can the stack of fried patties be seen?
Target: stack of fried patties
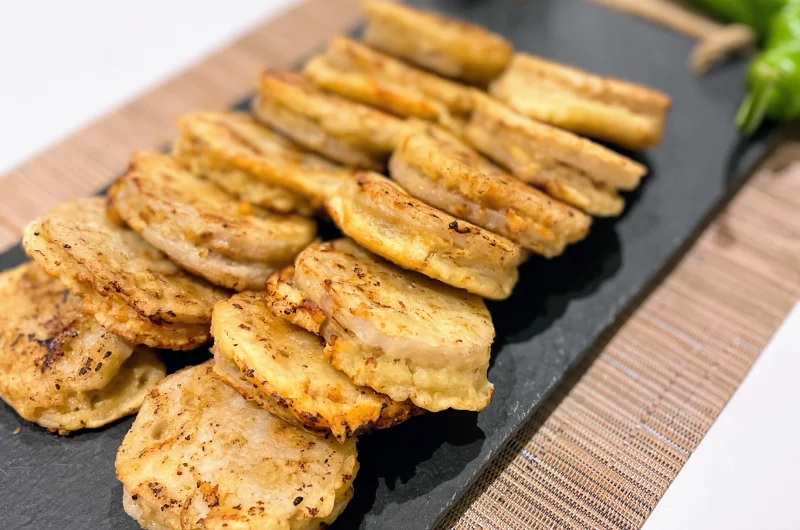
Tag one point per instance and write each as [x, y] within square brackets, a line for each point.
[314, 343]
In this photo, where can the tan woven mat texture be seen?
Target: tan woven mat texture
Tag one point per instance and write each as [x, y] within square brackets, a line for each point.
[603, 449]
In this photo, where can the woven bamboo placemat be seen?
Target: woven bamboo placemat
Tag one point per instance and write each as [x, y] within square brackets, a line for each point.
[604, 448]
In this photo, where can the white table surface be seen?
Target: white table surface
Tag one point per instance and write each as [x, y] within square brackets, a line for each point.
[66, 63]
[744, 474]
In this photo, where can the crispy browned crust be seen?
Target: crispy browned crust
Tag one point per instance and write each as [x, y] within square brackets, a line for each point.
[349, 55]
[249, 160]
[393, 330]
[353, 134]
[287, 365]
[200, 456]
[361, 74]
[624, 113]
[58, 366]
[203, 229]
[384, 219]
[444, 172]
[290, 303]
[130, 287]
[450, 47]
[570, 168]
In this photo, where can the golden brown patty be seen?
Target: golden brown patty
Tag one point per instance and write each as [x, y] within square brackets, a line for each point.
[356, 72]
[396, 331]
[203, 229]
[384, 219]
[130, 287]
[435, 167]
[200, 456]
[350, 133]
[570, 168]
[286, 366]
[58, 367]
[624, 113]
[254, 163]
[446, 46]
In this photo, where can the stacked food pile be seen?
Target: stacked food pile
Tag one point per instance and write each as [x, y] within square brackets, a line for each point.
[314, 343]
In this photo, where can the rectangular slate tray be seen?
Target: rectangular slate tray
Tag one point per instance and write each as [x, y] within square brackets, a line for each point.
[411, 475]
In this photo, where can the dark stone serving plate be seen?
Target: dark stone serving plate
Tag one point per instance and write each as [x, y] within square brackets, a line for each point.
[411, 475]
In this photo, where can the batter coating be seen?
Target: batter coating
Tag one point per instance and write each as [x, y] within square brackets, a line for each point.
[396, 331]
[435, 167]
[361, 74]
[200, 456]
[255, 164]
[384, 219]
[203, 229]
[446, 46]
[624, 113]
[350, 133]
[130, 287]
[284, 368]
[58, 367]
[570, 168]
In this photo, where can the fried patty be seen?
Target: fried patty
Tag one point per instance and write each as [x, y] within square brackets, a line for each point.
[200, 456]
[361, 74]
[130, 287]
[570, 168]
[350, 133]
[255, 164]
[396, 331]
[627, 114]
[384, 219]
[288, 373]
[449, 47]
[59, 367]
[435, 167]
[203, 229]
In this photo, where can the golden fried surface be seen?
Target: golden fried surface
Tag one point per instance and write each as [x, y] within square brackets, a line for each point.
[435, 167]
[624, 113]
[350, 133]
[570, 168]
[292, 304]
[201, 457]
[396, 331]
[130, 287]
[449, 47]
[58, 367]
[384, 219]
[356, 72]
[203, 229]
[254, 163]
[286, 365]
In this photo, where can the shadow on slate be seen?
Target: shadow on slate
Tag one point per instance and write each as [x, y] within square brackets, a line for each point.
[411, 475]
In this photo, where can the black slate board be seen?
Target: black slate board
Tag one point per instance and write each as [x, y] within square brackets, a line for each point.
[412, 474]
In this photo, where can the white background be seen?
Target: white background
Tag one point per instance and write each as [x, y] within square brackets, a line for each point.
[744, 474]
[65, 62]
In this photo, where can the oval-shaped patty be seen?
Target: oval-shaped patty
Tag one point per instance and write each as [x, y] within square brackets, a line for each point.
[435, 167]
[207, 232]
[386, 220]
[397, 331]
[130, 287]
[287, 371]
[200, 456]
[59, 367]
[255, 164]
[350, 133]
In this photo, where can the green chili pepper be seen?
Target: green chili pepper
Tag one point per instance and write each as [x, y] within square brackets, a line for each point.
[754, 13]
[774, 77]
